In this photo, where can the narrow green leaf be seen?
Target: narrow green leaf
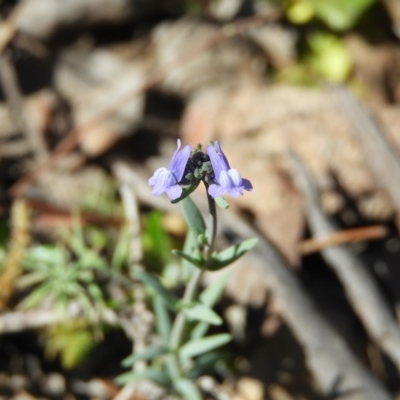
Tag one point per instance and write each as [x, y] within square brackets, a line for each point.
[156, 241]
[121, 250]
[77, 240]
[203, 345]
[199, 330]
[186, 192]
[187, 389]
[148, 354]
[191, 246]
[193, 216]
[159, 290]
[209, 297]
[211, 294]
[95, 292]
[153, 374]
[231, 254]
[186, 257]
[200, 312]
[163, 319]
[209, 364]
[38, 295]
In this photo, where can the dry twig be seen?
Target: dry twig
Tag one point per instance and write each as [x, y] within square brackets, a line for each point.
[383, 159]
[9, 83]
[360, 287]
[20, 238]
[19, 321]
[342, 237]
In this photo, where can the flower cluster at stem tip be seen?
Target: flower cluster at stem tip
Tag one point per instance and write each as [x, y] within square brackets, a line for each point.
[189, 167]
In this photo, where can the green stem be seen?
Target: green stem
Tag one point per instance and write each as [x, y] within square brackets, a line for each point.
[180, 323]
[213, 226]
[179, 327]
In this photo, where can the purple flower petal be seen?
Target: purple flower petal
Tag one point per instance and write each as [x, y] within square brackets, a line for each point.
[215, 190]
[247, 185]
[179, 161]
[167, 180]
[221, 153]
[174, 191]
[235, 177]
[218, 161]
[161, 180]
[231, 181]
[226, 179]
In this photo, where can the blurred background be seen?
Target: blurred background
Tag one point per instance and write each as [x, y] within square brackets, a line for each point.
[304, 98]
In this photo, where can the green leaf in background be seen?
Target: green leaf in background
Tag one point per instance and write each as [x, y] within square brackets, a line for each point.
[156, 242]
[156, 375]
[120, 255]
[39, 256]
[159, 290]
[199, 330]
[200, 312]
[148, 354]
[340, 14]
[37, 296]
[211, 294]
[187, 389]
[97, 238]
[76, 238]
[193, 216]
[90, 259]
[329, 57]
[162, 319]
[231, 254]
[72, 342]
[200, 346]
[209, 363]
[300, 11]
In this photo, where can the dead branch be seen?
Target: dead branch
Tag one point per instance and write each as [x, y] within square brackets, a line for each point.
[7, 33]
[9, 83]
[55, 15]
[15, 149]
[331, 362]
[342, 237]
[20, 239]
[382, 159]
[19, 321]
[94, 82]
[360, 287]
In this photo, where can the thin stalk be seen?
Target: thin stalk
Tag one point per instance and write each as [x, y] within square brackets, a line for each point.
[213, 226]
[180, 323]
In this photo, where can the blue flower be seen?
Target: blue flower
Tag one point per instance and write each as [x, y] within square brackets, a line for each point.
[167, 180]
[226, 179]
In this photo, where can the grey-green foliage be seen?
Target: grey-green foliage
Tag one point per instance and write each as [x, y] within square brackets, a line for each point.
[70, 271]
[197, 312]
